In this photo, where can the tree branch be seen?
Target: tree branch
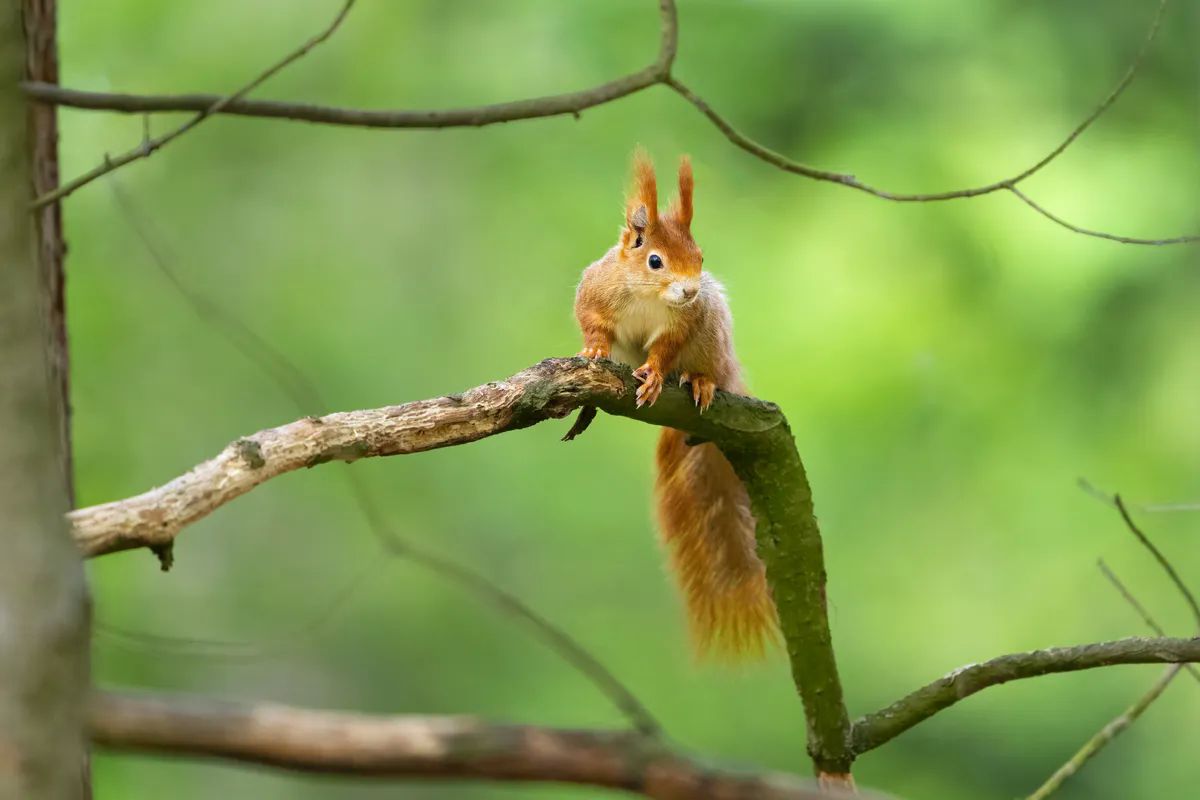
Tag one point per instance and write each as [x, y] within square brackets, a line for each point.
[573, 103]
[546, 391]
[1168, 568]
[421, 747]
[875, 729]
[467, 117]
[237, 104]
[1151, 623]
[753, 435]
[149, 146]
[1112, 237]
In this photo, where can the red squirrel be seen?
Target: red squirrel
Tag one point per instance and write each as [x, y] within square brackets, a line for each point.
[648, 303]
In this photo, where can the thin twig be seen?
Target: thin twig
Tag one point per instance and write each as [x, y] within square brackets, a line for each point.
[1151, 623]
[1160, 558]
[572, 103]
[1166, 508]
[1112, 237]
[1117, 91]
[1105, 735]
[788, 165]
[1148, 508]
[149, 146]
[875, 729]
[209, 105]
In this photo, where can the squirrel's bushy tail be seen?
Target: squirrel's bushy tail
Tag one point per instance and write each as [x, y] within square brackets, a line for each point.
[708, 530]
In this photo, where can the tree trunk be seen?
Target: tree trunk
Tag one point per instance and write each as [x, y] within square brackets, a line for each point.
[43, 596]
[41, 64]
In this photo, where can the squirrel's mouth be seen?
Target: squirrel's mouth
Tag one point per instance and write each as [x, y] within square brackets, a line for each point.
[682, 303]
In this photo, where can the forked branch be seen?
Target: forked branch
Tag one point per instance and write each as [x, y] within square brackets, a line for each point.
[151, 145]
[658, 72]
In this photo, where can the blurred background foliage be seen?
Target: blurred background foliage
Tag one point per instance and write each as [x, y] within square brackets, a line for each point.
[949, 369]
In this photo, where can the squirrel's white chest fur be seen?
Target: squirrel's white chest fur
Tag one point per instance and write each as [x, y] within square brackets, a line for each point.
[639, 322]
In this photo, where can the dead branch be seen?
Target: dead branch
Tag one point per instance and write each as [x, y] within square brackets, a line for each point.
[413, 746]
[546, 391]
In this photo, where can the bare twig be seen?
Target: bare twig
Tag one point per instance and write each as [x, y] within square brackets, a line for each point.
[1148, 508]
[157, 516]
[1188, 597]
[753, 435]
[573, 103]
[1112, 237]
[236, 103]
[1134, 603]
[1151, 623]
[875, 729]
[1165, 508]
[1105, 735]
[458, 748]
[149, 146]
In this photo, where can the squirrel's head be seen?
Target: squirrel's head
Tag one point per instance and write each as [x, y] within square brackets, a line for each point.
[659, 253]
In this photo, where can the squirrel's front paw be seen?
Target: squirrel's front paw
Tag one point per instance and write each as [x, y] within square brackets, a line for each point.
[703, 389]
[594, 352]
[652, 383]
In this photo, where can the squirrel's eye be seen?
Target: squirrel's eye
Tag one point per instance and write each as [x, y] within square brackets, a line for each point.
[655, 262]
[638, 243]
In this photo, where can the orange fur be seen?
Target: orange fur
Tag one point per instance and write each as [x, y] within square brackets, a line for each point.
[675, 318]
[644, 192]
[682, 209]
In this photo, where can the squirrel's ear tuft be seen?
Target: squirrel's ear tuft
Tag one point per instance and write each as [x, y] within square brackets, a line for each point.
[642, 208]
[683, 210]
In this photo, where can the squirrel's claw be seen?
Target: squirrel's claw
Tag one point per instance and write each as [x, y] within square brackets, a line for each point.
[703, 390]
[652, 383]
[594, 352]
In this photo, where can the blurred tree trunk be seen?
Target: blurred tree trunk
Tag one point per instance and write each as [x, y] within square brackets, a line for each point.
[43, 596]
[41, 64]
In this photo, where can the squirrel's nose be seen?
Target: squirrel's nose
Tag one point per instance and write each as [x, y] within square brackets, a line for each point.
[689, 292]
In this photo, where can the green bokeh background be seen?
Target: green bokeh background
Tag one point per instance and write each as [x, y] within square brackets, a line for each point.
[949, 370]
